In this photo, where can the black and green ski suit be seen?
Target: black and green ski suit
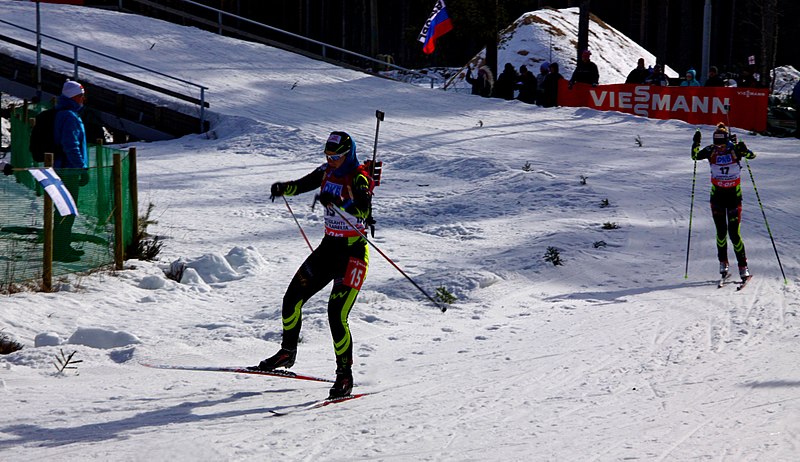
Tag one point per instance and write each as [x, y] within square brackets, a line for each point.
[341, 257]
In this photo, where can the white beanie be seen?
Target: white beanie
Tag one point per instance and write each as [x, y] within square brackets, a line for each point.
[71, 88]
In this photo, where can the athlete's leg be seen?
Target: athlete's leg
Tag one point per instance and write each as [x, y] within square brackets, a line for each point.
[734, 229]
[718, 213]
[346, 286]
[309, 279]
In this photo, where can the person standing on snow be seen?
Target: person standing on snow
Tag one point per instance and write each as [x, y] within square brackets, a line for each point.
[724, 157]
[585, 71]
[527, 86]
[341, 257]
[550, 87]
[483, 83]
[544, 69]
[690, 79]
[504, 86]
[71, 163]
[639, 74]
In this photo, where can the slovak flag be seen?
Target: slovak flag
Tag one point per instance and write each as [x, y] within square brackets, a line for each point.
[437, 25]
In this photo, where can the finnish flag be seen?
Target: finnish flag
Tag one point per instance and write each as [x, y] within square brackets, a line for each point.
[55, 188]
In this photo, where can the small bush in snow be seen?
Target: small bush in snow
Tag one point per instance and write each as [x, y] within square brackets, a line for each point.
[553, 256]
[444, 296]
[7, 345]
[147, 249]
[610, 225]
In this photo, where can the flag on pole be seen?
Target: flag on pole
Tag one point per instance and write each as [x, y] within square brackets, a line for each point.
[437, 25]
[55, 188]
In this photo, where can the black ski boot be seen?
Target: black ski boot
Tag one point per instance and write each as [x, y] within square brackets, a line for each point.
[343, 385]
[282, 359]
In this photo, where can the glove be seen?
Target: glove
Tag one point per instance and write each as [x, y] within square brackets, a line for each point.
[84, 178]
[327, 198]
[741, 150]
[277, 190]
[7, 168]
[697, 138]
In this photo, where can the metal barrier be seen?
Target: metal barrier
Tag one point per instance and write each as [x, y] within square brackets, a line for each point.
[220, 27]
[76, 66]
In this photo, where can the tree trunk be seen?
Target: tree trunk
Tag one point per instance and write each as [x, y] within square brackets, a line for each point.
[643, 39]
[662, 40]
[687, 46]
[769, 34]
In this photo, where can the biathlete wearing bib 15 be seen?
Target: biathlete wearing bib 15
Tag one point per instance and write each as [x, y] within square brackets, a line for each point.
[341, 257]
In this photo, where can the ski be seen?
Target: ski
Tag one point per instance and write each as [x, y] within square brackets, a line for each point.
[329, 401]
[723, 280]
[241, 370]
[743, 283]
[322, 403]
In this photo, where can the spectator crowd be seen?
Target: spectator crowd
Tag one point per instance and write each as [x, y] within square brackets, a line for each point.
[542, 88]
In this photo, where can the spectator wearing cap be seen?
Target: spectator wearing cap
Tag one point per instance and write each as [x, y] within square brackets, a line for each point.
[690, 80]
[71, 163]
[714, 80]
[586, 71]
[639, 74]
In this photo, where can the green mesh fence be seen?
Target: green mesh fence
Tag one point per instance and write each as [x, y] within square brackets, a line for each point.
[91, 235]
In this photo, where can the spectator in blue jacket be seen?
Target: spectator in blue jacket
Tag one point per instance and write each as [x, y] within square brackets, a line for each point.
[690, 80]
[71, 165]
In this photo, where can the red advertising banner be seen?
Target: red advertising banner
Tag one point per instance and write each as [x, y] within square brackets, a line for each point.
[745, 108]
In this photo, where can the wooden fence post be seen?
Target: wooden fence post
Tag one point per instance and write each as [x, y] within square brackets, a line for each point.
[134, 191]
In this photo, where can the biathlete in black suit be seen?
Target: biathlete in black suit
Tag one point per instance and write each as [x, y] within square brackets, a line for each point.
[724, 157]
[341, 257]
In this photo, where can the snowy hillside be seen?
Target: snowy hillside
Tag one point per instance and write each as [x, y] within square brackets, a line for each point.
[614, 355]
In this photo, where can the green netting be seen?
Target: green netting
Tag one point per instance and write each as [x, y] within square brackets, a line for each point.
[22, 211]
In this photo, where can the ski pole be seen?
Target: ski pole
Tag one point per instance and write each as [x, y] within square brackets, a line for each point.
[437, 304]
[753, 180]
[691, 211]
[298, 223]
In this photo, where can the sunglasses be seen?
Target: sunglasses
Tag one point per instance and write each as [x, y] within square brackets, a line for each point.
[333, 157]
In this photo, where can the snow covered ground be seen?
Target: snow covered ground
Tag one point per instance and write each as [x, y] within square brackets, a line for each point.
[613, 355]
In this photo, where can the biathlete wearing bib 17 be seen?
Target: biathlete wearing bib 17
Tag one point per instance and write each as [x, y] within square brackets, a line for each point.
[724, 157]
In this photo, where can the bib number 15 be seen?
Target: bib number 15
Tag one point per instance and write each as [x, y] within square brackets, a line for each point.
[355, 274]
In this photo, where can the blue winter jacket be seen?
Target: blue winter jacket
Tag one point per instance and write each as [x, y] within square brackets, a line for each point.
[70, 134]
[693, 82]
